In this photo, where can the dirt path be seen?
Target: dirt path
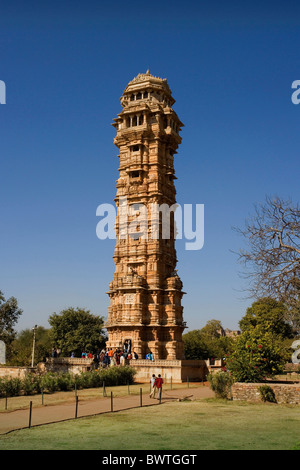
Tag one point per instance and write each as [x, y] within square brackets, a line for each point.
[19, 419]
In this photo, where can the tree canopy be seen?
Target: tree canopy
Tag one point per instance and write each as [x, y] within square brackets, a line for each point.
[257, 355]
[75, 330]
[9, 315]
[22, 346]
[264, 346]
[270, 315]
[207, 342]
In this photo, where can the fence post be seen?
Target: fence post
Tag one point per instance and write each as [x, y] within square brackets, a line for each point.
[75, 390]
[111, 402]
[76, 407]
[188, 383]
[42, 396]
[128, 388]
[30, 414]
[104, 391]
[6, 402]
[141, 397]
[171, 383]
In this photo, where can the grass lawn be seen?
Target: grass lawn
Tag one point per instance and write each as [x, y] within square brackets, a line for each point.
[198, 425]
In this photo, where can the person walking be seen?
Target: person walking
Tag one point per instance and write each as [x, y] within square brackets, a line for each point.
[158, 383]
[153, 386]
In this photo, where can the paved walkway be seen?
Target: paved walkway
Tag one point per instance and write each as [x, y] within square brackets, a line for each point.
[19, 419]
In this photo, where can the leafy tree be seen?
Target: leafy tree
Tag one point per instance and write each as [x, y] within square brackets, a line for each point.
[212, 329]
[22, 346]
[257, 355]
[9, 315]
[194, 347]
[207, 342]
[76, 330]
[270, 315]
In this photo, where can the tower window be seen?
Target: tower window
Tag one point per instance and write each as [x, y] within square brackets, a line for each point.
[135, 148]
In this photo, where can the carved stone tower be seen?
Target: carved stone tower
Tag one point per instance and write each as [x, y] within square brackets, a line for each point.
[146, 292]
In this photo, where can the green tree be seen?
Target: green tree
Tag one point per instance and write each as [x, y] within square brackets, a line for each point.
[194, 347]
[74, 330]
[207, 343]
[270, 315]
[257, 355]
[9, 315]
[22, 346]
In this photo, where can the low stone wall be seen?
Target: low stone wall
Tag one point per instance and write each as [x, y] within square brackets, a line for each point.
[284, 393]
[65, 364]
[15, 371]
[177, 371]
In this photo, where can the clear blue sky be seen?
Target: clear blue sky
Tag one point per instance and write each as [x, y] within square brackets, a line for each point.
[230, 66]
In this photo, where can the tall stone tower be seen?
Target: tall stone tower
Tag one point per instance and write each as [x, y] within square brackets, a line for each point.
[146, 292]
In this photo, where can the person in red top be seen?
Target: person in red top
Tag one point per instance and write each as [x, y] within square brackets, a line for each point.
[158, 384]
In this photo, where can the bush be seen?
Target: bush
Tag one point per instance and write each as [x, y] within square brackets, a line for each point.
[30, 384]
[220, 383]
[256, 356]
[64, 382]
[49, 382]
[111, 376]
[10, 387]
[267, 394]
[52, 382]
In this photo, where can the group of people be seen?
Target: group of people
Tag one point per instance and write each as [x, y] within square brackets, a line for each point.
[116, 357]
[156, 386]
[109, 356]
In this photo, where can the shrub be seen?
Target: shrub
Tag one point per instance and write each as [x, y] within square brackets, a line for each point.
[267, 393]
[52, 382]
[111, 376]
[64, 382]
[30, 384]
[220, 383]
[256, 356]
[10, 387]
[49, 382]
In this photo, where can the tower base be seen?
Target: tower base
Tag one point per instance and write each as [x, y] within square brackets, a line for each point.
[175, 371]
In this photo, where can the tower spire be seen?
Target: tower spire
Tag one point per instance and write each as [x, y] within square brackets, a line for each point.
[146, 292]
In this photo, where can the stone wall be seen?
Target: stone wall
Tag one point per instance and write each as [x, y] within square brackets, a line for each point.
[284, 393]
[178, 371]
[15, 371]
[65, 364]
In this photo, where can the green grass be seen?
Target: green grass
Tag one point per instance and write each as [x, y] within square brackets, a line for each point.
[201, 425]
